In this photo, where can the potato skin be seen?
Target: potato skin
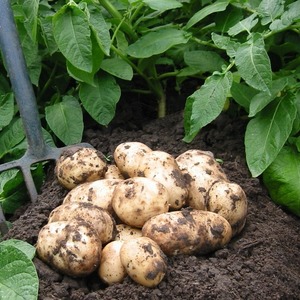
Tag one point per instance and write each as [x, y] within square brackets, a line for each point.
[113, 172]
[162, 167]
[78, 164]
[111, 269]
[127, 157]
[98, 192]
[137, 199]
[126, 232]
[72, 247]
[201, 170]
[144, 261]
[99, 218]
[188, 232]
[229, 200]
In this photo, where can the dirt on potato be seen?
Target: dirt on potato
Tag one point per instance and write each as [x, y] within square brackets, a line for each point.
[262, 262]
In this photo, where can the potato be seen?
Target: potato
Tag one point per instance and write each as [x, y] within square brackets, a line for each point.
[72, 247]
[127, 157]
[78, 164]
[113, 172]
[229, 200]
[188, 232]
[126, 232]
[201, 170]
[111, 269]
[137, 199]
[162, 167]
[99, 218]
[98, 192]
[144, 261]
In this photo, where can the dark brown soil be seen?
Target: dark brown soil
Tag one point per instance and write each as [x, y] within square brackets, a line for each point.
[263, 262]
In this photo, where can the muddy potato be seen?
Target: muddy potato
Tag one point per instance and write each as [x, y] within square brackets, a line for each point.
[162, 167]
[188, 232]
[111, 269]
[113, 172]
[201, 170]
[98, 192]
[229, 200]
[126, 232]
[127, 157]
[137, 199]
[77, 165]
[72, 247]
[144, 261]
[99, 218]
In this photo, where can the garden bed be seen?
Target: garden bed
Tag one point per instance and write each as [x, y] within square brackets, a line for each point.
[262, 262]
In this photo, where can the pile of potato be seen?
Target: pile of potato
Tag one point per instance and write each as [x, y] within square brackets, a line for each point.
[125, 219]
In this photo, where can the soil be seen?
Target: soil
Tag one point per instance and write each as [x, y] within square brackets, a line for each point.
[262, 262]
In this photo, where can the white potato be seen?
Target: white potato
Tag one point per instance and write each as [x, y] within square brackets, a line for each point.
[78, 164]
[113, 172]
[127, 157]
[201, 170]
[72, 247]
[143, 260]
[188, 231]
[98, 192]
[111, 269]
[137, 199]
[229, 200]
[126, 232]
[99, 218]
[162, 167]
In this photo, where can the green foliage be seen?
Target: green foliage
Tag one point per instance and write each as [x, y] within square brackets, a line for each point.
[83, 55]
[18, 276]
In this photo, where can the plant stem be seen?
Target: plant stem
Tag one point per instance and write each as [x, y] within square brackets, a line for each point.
[204, 43]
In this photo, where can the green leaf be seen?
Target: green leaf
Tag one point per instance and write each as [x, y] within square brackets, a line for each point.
[267, 133]
[204, 105]
[204, 61]
[73, 36]
[10, 136]
[31, 8]
[290, 15]
[157, 42]
[269, 10]
[244, 25]
[226, 19]
[206, 11]
[254, 65]
[6, 109]
[47, 34]
[100, 28]
[262, 99]
[162, 6]
[282, 179]
[225, 43]
[243, 94]
[118, 68]
[25, 247]
[100, 100]
[18, 276]
[83, 76]
[66, 120]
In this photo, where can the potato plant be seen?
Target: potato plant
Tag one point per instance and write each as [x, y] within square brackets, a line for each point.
[128, 227]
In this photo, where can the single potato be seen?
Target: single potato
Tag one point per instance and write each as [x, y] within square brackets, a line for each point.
[77, 165]
[143, 260]
[201, 170]
[126, 232]
[188, 232]
[229, 200]
[99, 218]
[127, 157]
[136, 200]
[162, 167]
[111, 269]
[113, 172]
[98, 192]
[71, 247]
